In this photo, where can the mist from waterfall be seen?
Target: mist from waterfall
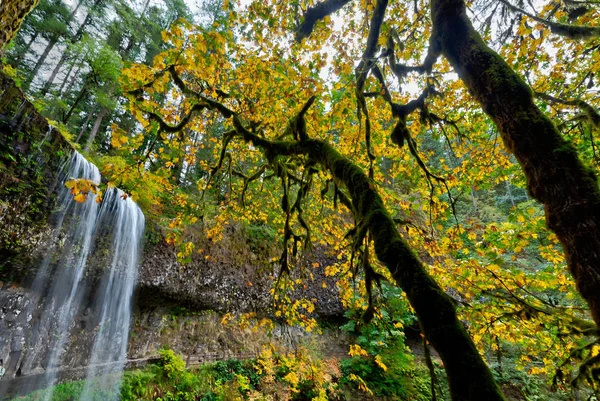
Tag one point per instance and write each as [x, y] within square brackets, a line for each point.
[90, 270]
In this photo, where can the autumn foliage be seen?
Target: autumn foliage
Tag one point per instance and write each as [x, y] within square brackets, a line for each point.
[229, 117]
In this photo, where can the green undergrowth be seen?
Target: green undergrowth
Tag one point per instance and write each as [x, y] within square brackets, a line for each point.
[296, 376]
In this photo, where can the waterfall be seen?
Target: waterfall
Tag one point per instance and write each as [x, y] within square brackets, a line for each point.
[58, 287]
[122, 218]
[88, 275]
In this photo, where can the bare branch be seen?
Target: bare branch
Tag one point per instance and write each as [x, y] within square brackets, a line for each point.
[315, 14]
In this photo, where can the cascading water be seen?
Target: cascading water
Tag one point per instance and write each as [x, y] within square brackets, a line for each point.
[58, 293]
[122, 219]
[90, 270]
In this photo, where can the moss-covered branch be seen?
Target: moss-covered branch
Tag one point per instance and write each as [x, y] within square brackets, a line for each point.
[555, 175]
[400, 70]
[566, 30]
[166, 127]
[363, 68]
[470, 378]
[591, 113]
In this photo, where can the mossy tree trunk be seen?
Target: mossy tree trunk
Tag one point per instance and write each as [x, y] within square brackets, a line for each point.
[468, 375]
[12, 14]
[555, 175]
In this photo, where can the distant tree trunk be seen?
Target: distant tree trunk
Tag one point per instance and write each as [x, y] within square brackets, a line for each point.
[499, 357]
[41, 60]
[22, 55]
[12, 14]
[74, 12]
[146, 4]
[509, 193]
[85, 124]
[78, 35]
[63, 57]
[473, 199]
[55, 72]
[555, 175]
[82, 93]
[72, 83]
[95, 128]
[66, 78]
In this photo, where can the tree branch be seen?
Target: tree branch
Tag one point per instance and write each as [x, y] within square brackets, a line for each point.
[469, 377]
[315, 14]
[591, 113]
[566, 30]
[363, 68]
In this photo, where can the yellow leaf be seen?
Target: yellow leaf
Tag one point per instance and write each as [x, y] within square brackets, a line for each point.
[380, 363]
[80, 197]
[356, 350]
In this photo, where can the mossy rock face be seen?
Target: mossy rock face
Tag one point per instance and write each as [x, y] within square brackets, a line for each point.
[31, 155]
[236, 276]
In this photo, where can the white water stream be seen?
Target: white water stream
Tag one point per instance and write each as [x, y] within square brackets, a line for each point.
[90, 269]
[124, 221]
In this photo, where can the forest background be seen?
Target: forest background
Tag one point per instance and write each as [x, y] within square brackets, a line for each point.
[230, 115]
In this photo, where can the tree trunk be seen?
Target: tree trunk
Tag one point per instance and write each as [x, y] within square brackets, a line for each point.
[469, 377]
[509, 193]
[82, 93]
[70, 86]
[66, 78]
[55, 71]
[555, 175]
[79, 3]
[84, 125]
[63, 57]
[41, 60]
[21, 57]
[95, 129]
